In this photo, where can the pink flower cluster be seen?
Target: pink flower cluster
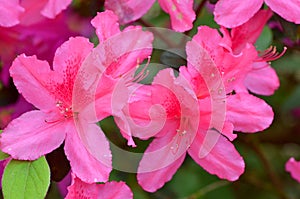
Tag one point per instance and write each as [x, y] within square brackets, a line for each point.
[195, 111]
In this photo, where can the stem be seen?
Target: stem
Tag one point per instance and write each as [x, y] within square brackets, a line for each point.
[255, 145]
[200, 7]
[207, 189]
[197, 12]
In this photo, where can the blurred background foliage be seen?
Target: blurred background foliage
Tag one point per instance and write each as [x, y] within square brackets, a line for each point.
[265, 153]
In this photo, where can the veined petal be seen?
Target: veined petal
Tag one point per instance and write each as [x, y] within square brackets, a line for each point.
[262, 79]
[31, 76]
[293, 167]
[181, 13]
[217, 155]
[106, 24]
[10, 12]
[251, 115]
[128, 10]
[232, 13]
[288, 9]
[54, 7]
[32, 135]
[88, 153]
[70, 55]
[109, 190]
[159, 163]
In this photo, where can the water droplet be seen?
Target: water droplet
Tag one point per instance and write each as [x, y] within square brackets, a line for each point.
[95, 180]
[9, 149]
[212, 75]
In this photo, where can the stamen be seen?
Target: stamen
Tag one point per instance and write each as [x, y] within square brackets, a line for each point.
[270, 54]
[143, 73]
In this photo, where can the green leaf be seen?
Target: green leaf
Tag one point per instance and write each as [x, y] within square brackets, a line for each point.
[26, 179]
[3, 156]
[265, 39]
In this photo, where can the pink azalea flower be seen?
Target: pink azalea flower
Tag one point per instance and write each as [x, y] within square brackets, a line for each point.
[45, 129]
[14, 12]
[231, 13]
[185, 130]
[262, 79]
[109, 190]
[234, 69]
[181, 12]
[213, 73]
[293, 167]
[40, 39]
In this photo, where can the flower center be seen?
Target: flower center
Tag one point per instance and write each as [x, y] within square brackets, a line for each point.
[65, 110]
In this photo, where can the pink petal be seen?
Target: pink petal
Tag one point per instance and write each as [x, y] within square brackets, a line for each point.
[293, 167]
[217, 155]
[201, 67]
[236, 67]
[147, 113]
[32, 14]
[109, 190]
[228, 131]
[115, 190]
[251, 115]
[128, 10]
[181, 13]
[119, 55]
[160, 162]
[88, 153]
[54, 7]
[71, 54]
[232, 13]
[249, 31]
[32, 135]
[10, 12]
[262, 79]
[31, 76]
[288, 9]
[106, 24]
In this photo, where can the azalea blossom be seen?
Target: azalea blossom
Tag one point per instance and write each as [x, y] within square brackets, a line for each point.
[231, 13]
[109, 190]
[185, 130]
[293, 167]
[210, 80]
[55, 114]
[181, 13]
[262, 79]
[27, 12]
